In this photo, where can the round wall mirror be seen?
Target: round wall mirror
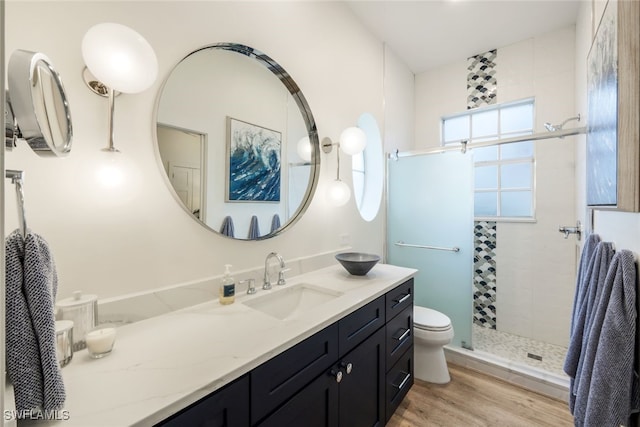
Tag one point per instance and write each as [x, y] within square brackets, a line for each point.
[229, 121]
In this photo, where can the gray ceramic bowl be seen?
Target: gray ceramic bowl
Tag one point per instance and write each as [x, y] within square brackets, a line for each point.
[357, 263]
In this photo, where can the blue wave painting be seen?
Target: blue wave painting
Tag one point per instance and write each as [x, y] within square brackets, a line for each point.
[254, 163]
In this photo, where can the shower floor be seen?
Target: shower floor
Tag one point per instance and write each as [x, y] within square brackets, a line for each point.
[516, 349]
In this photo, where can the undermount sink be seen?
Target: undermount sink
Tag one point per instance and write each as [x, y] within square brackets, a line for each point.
[292, 301]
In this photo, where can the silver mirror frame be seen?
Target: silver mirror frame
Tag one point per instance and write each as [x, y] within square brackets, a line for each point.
[27, 97]
[307, 117]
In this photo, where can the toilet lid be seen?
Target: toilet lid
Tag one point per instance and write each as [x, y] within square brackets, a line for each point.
[426, 318]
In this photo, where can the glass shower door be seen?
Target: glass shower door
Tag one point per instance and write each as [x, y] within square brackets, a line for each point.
[430, 212]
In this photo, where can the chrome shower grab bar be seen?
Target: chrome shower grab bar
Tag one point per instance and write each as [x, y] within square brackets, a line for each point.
[16, 178]
[435, 248]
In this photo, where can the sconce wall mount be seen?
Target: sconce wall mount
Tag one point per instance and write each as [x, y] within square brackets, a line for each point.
[352, 141]
[121, 60]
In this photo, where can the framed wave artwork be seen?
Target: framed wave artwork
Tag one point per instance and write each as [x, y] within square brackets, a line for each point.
[253, 163]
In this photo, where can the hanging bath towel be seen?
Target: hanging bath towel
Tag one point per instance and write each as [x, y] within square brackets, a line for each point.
[605, 395]
[275, 222]
[593, 280]
[579, 309]
[254, 228]
[227, 227]
[31, 286]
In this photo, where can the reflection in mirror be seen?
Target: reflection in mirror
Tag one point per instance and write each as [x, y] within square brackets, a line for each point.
[37, 105]
[228, 124]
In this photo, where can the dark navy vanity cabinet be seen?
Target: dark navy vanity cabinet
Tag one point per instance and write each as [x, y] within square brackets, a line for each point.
[352, 373]
[226, 407]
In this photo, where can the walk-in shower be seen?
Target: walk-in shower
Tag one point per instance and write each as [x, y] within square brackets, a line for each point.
[430, 211]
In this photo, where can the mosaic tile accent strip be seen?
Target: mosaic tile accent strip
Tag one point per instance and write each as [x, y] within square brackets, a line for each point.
[481, 80]
[517, 348]
[484, 278]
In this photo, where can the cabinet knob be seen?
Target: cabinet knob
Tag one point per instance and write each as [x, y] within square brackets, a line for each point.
[337, 374]
[347, 366]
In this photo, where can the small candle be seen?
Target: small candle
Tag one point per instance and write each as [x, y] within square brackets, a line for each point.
[100, 341]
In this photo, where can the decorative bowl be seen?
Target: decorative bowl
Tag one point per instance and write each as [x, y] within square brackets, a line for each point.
[357, 263]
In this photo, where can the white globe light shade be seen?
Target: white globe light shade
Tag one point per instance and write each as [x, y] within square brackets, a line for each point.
[119, 57]
[304, 149]
[338, 193]
[353, 140]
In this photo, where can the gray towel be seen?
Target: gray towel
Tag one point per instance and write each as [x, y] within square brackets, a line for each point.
[31, 286]
[587, 259]
[254, 228]
[275, 222]
[227, 227]
[588, 250]
[605, 393]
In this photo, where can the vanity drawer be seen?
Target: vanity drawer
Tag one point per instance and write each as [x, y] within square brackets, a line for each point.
[359, 325]
[276, 380]
[399, 335]
[399, 381]
[399, 298]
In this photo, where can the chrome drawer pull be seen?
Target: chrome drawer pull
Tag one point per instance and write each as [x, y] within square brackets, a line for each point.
[404, 335]
[403, 299]
[404, 382]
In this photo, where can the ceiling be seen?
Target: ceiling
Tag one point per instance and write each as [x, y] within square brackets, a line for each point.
[429, 33]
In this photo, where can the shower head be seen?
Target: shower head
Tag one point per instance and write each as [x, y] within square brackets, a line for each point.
[553, 128]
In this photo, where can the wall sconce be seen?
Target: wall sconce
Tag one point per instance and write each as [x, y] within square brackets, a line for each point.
[121, 60]
[352, 141]
[304, 149]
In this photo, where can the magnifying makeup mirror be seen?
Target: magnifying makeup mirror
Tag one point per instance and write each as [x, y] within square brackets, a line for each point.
[36, 107]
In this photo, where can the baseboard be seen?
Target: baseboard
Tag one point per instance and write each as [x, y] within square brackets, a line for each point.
[528, 377]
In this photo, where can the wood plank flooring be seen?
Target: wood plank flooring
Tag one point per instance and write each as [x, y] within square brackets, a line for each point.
[475, 399]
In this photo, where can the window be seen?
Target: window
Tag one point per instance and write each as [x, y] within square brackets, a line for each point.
[504, 174]
[368, 170]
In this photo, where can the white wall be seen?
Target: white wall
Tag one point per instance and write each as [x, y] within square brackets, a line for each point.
[535, 265]
[117, 241]
[399, 99]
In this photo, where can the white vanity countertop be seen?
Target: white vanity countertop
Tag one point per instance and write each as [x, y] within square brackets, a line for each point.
[163, 364]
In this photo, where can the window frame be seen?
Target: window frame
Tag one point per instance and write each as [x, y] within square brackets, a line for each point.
[498, 162]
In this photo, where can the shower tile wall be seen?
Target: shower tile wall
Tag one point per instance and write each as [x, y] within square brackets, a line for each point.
[482, 90]
[533, 302]
[484, 279]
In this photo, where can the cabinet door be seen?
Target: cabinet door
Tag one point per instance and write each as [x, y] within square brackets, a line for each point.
[277, 380]
[362, 390]
[228, 407]
[316, 405]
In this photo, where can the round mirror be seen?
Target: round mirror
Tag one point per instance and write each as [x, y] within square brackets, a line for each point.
[38, 104]
[229, 124]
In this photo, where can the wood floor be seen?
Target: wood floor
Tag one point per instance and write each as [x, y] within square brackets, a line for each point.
[473, 399]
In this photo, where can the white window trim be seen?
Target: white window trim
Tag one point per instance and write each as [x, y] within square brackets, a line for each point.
[498, 162]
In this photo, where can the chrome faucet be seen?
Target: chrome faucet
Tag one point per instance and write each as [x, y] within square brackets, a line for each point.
[266, 284]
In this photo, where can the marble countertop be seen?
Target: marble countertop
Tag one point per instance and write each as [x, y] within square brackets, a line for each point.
[163, 364]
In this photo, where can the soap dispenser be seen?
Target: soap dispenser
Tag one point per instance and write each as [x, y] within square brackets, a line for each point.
[227, 287]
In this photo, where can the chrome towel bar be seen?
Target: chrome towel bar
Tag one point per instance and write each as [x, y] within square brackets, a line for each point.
[435, 248]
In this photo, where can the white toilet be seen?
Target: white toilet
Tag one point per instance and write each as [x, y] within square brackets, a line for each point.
[432, 330]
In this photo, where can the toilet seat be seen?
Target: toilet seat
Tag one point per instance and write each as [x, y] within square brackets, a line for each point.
[430, 320]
